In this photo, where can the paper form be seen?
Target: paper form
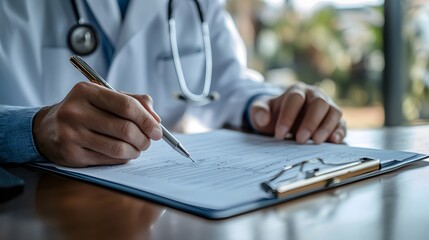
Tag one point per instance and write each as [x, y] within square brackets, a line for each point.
[229, 167]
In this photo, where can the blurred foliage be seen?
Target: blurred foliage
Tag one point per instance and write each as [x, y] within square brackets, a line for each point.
[416, 99]
[326, 47]
[338, 49]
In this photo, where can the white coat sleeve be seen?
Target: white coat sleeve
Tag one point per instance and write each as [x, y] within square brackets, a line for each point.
[235, 83]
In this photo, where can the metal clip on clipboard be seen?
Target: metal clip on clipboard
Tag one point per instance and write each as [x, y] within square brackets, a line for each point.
[317, 179]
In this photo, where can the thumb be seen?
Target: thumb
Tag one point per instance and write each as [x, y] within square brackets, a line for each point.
[260, 115]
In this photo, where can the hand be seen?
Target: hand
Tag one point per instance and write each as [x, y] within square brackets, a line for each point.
[96, 126]
[303, 111]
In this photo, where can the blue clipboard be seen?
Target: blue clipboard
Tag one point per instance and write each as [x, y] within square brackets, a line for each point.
[241, 208]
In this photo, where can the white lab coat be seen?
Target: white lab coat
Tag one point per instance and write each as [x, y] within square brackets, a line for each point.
[35, 70]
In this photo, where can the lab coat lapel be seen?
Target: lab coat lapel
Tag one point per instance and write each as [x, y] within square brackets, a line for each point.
[108, 15]
[138, 16]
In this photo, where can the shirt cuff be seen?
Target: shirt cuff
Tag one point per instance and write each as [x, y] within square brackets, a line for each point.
[16, 135]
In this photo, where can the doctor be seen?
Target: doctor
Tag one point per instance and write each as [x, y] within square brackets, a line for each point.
[45, 113]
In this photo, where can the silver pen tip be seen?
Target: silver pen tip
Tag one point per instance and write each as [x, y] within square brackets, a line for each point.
[183, 151]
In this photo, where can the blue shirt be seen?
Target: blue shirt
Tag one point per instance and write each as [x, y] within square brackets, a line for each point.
[16, 134]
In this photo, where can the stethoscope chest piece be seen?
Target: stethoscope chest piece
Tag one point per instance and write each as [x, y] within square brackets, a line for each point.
[82, 39]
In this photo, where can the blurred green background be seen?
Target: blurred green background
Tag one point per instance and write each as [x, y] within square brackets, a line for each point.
[338, 46]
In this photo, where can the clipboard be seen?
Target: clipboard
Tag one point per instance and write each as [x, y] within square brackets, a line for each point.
[316, 179]
[271, 190]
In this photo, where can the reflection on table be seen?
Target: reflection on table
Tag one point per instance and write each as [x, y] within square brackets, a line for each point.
[76, 210]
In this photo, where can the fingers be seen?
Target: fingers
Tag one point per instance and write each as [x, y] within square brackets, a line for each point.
[109, 125]
[110, 147]
[81, 157]
[125, 107]
[92, 158]
[320, 120]
[327, 127]
[306, 112]
[339, 134]
[314, 115]
[290, 106]
[317, 110]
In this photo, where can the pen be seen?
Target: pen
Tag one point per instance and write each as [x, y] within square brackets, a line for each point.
[94, 77]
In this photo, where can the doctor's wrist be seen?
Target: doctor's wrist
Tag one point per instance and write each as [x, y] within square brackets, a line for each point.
[37, 130]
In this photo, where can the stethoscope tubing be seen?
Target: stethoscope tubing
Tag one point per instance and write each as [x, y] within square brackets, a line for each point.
[187, 95]
[204, 97]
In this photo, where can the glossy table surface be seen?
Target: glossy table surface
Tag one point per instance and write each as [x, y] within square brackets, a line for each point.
[392, 206]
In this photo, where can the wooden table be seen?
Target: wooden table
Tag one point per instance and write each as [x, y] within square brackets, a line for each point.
[392, 206]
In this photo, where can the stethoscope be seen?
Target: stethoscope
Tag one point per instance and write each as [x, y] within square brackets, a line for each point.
[82, 39]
